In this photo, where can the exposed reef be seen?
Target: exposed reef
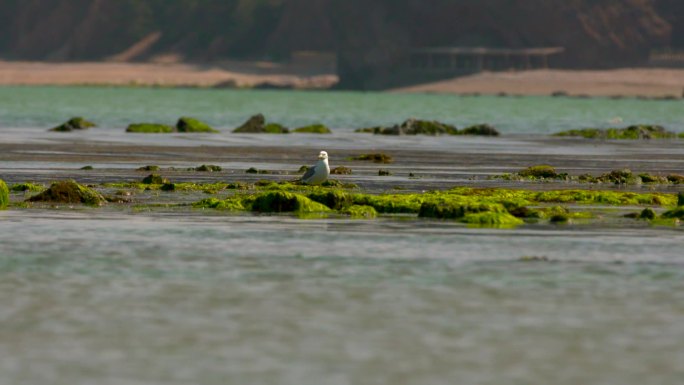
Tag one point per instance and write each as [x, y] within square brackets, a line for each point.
[257, 125]
[631, 132]
[429, 127]
[69, 192]
[619, 177]
[73, 124]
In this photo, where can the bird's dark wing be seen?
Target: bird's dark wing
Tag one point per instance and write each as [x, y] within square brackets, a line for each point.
[309, 173]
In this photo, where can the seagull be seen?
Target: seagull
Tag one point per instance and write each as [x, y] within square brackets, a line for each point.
[319, 172]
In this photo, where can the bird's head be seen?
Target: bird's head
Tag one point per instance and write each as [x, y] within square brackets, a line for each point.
[323, 155]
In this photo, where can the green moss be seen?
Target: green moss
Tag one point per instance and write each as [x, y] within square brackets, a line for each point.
[149, 128]
[680, 198]
[360, 212]
[69, 192]
[677, 213]
[229, 204]
[391, 204]
[4, 195]
[76, 123]
[333, 199]
[543, 171]
[631, 132]
[149, 168]
[491, 219]
[23, 187]
[208, 168]
[275, 128]
[187, 124]
[282, 201]
[313, 129]
[376, 158]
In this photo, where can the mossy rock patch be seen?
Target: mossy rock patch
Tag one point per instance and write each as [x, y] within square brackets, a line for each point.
[480, 130]
[313, 129]
[73, 124]
[149, 128]
[375, 158]
[360, 212]
[282, 201]
[634, 132]
[154, 179]
[69, 192]
[333, 199]
[4, 195]
[257, 125]
[187, 124]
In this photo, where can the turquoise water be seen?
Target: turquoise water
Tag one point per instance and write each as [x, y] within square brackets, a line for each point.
[117, 107]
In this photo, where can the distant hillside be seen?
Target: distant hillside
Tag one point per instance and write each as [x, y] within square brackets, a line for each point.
[366, 34]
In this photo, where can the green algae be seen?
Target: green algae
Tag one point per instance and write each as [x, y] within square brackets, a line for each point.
[479, 130]
[23, 187]
[229, 204]
[628, 133]
[333, 199]
[188, 124]
[87, 168]
[149, 168]
[618, 177]
[69, 192]
[75, 123]
[283, 201]
[149, 128]
[360, 212]
[4, 195]
[313, 129]
[540, 171]
[680, 199]
[677, 213]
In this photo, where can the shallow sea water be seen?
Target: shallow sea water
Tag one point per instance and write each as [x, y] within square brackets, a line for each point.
[105, 296]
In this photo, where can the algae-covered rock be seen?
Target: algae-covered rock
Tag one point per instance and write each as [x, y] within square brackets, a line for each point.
[76, 123]
[676, 178]
[420, 127]
[149, 168]
[4, 195]
[480, 130]
[341, 170]
[540, 171]
[376, 158]
[624, 176]
[282, 201]
[333, 199]
[208, 168]
[647, 214]
[484, 214]
[360, 212]
[154, 179]
[23, 187]
[559, 218]
[257, 125]
[69, 192]
[677, 213]
[187, 124]
[149, 128]
[631, 132]
[680, 199]
[229, 204]
[492, 219]
[87, 168]
[313, 129]
[382, 172]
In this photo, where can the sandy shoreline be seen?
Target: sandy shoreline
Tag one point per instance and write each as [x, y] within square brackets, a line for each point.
[630, 82]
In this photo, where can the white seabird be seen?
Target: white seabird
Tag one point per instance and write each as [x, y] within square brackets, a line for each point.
[319, 172]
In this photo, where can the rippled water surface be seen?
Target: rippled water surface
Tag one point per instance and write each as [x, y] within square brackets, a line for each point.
[119, 295]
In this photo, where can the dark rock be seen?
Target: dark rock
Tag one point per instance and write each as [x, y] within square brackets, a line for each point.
[540, 171]
[149, 128]
[648, 214]
[149, 168]
[87, 168]
[257, 125]
[69, 192]
[76, 123]
[168, 187]
[384, 173]
[154, 179]
[208, 168]
[480, 130]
